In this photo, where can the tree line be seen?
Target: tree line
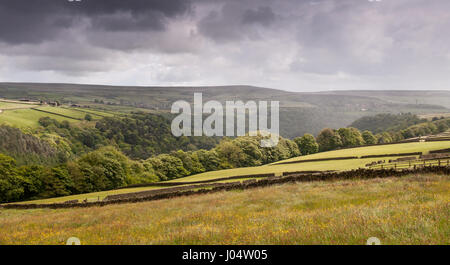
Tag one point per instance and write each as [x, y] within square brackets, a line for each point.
[332, 139]
[108, 168]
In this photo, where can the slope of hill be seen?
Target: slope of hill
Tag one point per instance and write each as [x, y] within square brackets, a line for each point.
[300, 112]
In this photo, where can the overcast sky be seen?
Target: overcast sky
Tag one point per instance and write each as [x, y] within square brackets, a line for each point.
[296, 45]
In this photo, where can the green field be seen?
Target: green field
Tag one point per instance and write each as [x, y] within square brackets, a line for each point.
[12, 105]
[69, 112]
[279, 169]
[376, 150]
[27, 118]
[407, 210]
[97, 113]
[326, 165]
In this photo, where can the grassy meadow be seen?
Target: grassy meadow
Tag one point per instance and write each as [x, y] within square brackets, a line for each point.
[349, 164]
[376, 150]
[65, 112]
[408, 210]
[5, 105]
[27, 116]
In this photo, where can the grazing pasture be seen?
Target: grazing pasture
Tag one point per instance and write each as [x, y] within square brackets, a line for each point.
[27, 115]
[375, 150]
[97, 113]
[6, 105]
[28, 118]
[347, 164]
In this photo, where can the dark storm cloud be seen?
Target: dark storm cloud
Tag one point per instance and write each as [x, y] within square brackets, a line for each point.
[318, 44]
[25, 21]
[263, 15]
[236, 20]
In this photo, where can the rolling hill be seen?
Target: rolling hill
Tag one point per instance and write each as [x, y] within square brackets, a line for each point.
[299, 112]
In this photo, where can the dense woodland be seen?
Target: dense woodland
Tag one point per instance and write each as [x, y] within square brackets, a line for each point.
[60, 158]
[387, 122]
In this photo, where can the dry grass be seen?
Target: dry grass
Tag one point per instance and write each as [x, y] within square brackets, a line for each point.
[409, 210]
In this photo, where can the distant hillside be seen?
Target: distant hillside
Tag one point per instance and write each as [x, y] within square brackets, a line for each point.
[414, 97]
[300, 112]
[386, 121]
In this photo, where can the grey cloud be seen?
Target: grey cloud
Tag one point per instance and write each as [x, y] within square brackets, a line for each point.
[236, 21]
[263, 15]
[24, 21]
[282, 44]
[372, 38]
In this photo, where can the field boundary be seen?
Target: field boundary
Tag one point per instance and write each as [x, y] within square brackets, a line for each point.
[87, 112]
[57, 114]
[392, 155]
[178, 183]
[316, 160]
[348, 157]
[249, 184]
[446, 150]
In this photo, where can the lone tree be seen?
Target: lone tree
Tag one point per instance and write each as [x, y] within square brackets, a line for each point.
[307, 144]
[88, 117]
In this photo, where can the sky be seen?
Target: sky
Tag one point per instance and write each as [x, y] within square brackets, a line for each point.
[294, 45]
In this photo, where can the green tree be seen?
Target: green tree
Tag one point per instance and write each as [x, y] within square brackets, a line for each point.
[408, 133]
[368, 137]
[350, 137]
[32, 176]
[190, 162]
[11, 188]
[56, 182]
[384, 138]
[168, 167]
[252, 154]
[442, 126]
[328, 139]
[231, 154]
[209, 159]
[307, 144]
[88, 117]
[105, 168]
